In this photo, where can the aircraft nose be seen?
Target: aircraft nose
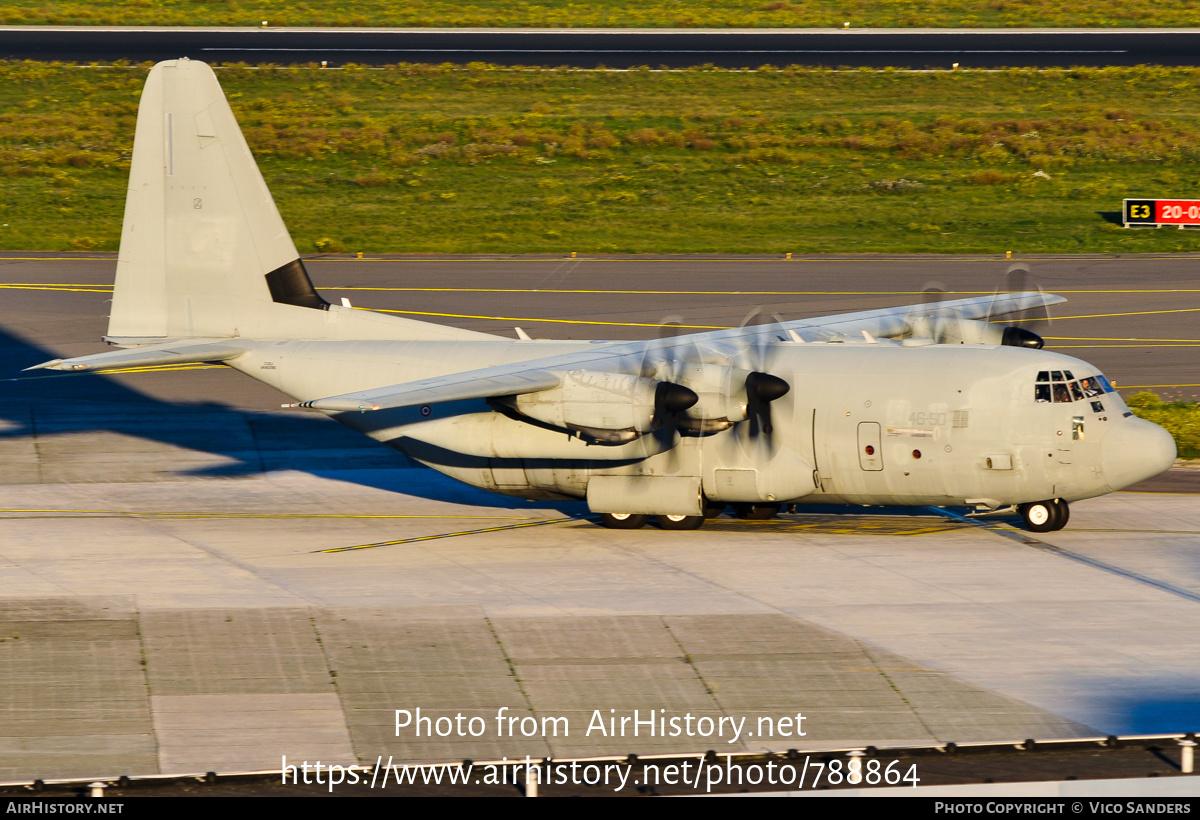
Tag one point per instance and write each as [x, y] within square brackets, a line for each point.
[1134, 451]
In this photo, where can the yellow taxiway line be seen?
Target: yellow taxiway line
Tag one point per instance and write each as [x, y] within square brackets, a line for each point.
[601, 292]
[438, 536]
[552, 321]
[159, 514]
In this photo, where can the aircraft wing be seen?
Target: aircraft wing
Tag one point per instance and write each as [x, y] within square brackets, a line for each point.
[178, 351]
[525, 377]
[630, 357]
[883, 323]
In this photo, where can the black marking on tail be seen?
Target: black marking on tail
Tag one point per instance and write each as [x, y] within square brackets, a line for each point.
[290, 285]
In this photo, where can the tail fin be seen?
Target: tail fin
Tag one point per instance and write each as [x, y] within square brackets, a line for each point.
[204, 252]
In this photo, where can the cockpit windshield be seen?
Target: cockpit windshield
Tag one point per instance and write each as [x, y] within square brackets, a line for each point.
[1061, 387]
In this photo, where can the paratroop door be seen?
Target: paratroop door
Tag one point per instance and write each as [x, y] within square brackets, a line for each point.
[870, 450]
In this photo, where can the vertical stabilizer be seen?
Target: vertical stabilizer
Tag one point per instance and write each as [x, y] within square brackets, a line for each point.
[204, 251]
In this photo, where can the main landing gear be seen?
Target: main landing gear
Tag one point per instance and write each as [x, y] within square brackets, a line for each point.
[757, 511]
[630, 521]
[1045, 516]
[680, 522]
[623, 521]
[712, 509]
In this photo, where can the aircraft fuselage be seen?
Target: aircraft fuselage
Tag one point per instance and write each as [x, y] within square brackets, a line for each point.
[872, 424]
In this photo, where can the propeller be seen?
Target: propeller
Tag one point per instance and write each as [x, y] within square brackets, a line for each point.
[930, 320]
[671, 399]
[762, 388]
[1017, 333]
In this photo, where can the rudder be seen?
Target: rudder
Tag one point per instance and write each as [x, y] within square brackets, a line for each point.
[201, 230]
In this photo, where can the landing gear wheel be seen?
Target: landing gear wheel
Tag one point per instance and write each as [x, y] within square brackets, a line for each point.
[623, 521]
[757, 512]
[1063, 513]
[1041, 516]
[680, 522]
[713, 509]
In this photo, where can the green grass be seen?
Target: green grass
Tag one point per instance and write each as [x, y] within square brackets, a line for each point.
[429, 158]
[615, 13]
[1181, 419]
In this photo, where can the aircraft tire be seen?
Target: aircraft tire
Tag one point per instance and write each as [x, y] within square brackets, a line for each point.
[713, 509]
[623, 521]
[1040, 516]
[1062, 513]
[680, 522]
[757, 512]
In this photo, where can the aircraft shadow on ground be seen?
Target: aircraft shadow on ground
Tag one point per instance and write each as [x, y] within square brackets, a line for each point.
[247, 442]
[48, 403]
[1153, 711]
[423, 482]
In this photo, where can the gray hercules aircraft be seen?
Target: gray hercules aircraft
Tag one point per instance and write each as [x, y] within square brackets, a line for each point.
[926, 405]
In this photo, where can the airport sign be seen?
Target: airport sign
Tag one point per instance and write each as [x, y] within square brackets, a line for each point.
[1161, 212]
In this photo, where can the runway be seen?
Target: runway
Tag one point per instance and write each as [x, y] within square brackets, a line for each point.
[617, 48]
[194, 580]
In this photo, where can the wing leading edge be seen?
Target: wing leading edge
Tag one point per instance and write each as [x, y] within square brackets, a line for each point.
[547, 373]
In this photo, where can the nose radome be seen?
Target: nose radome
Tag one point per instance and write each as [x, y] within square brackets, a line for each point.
[1134, 451]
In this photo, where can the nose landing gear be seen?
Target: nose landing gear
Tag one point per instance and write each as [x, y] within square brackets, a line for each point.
[1045, 516]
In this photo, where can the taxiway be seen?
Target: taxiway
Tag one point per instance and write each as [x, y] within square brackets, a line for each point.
[194, 580]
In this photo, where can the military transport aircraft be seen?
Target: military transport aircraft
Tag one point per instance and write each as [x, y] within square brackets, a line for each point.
[930, 405]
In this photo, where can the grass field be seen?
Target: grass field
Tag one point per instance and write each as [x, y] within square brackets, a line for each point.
[1181, 418]
[428, 158]
[614, 13]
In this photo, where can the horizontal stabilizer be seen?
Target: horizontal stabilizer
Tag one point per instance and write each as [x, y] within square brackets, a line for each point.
[181, 351]
[479, 384]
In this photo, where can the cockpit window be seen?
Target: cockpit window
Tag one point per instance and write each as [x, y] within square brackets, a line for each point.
[1059, 387]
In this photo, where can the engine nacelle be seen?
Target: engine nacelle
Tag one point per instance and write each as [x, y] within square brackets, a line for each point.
[721, 393]
[611, 407]
[949, 330]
